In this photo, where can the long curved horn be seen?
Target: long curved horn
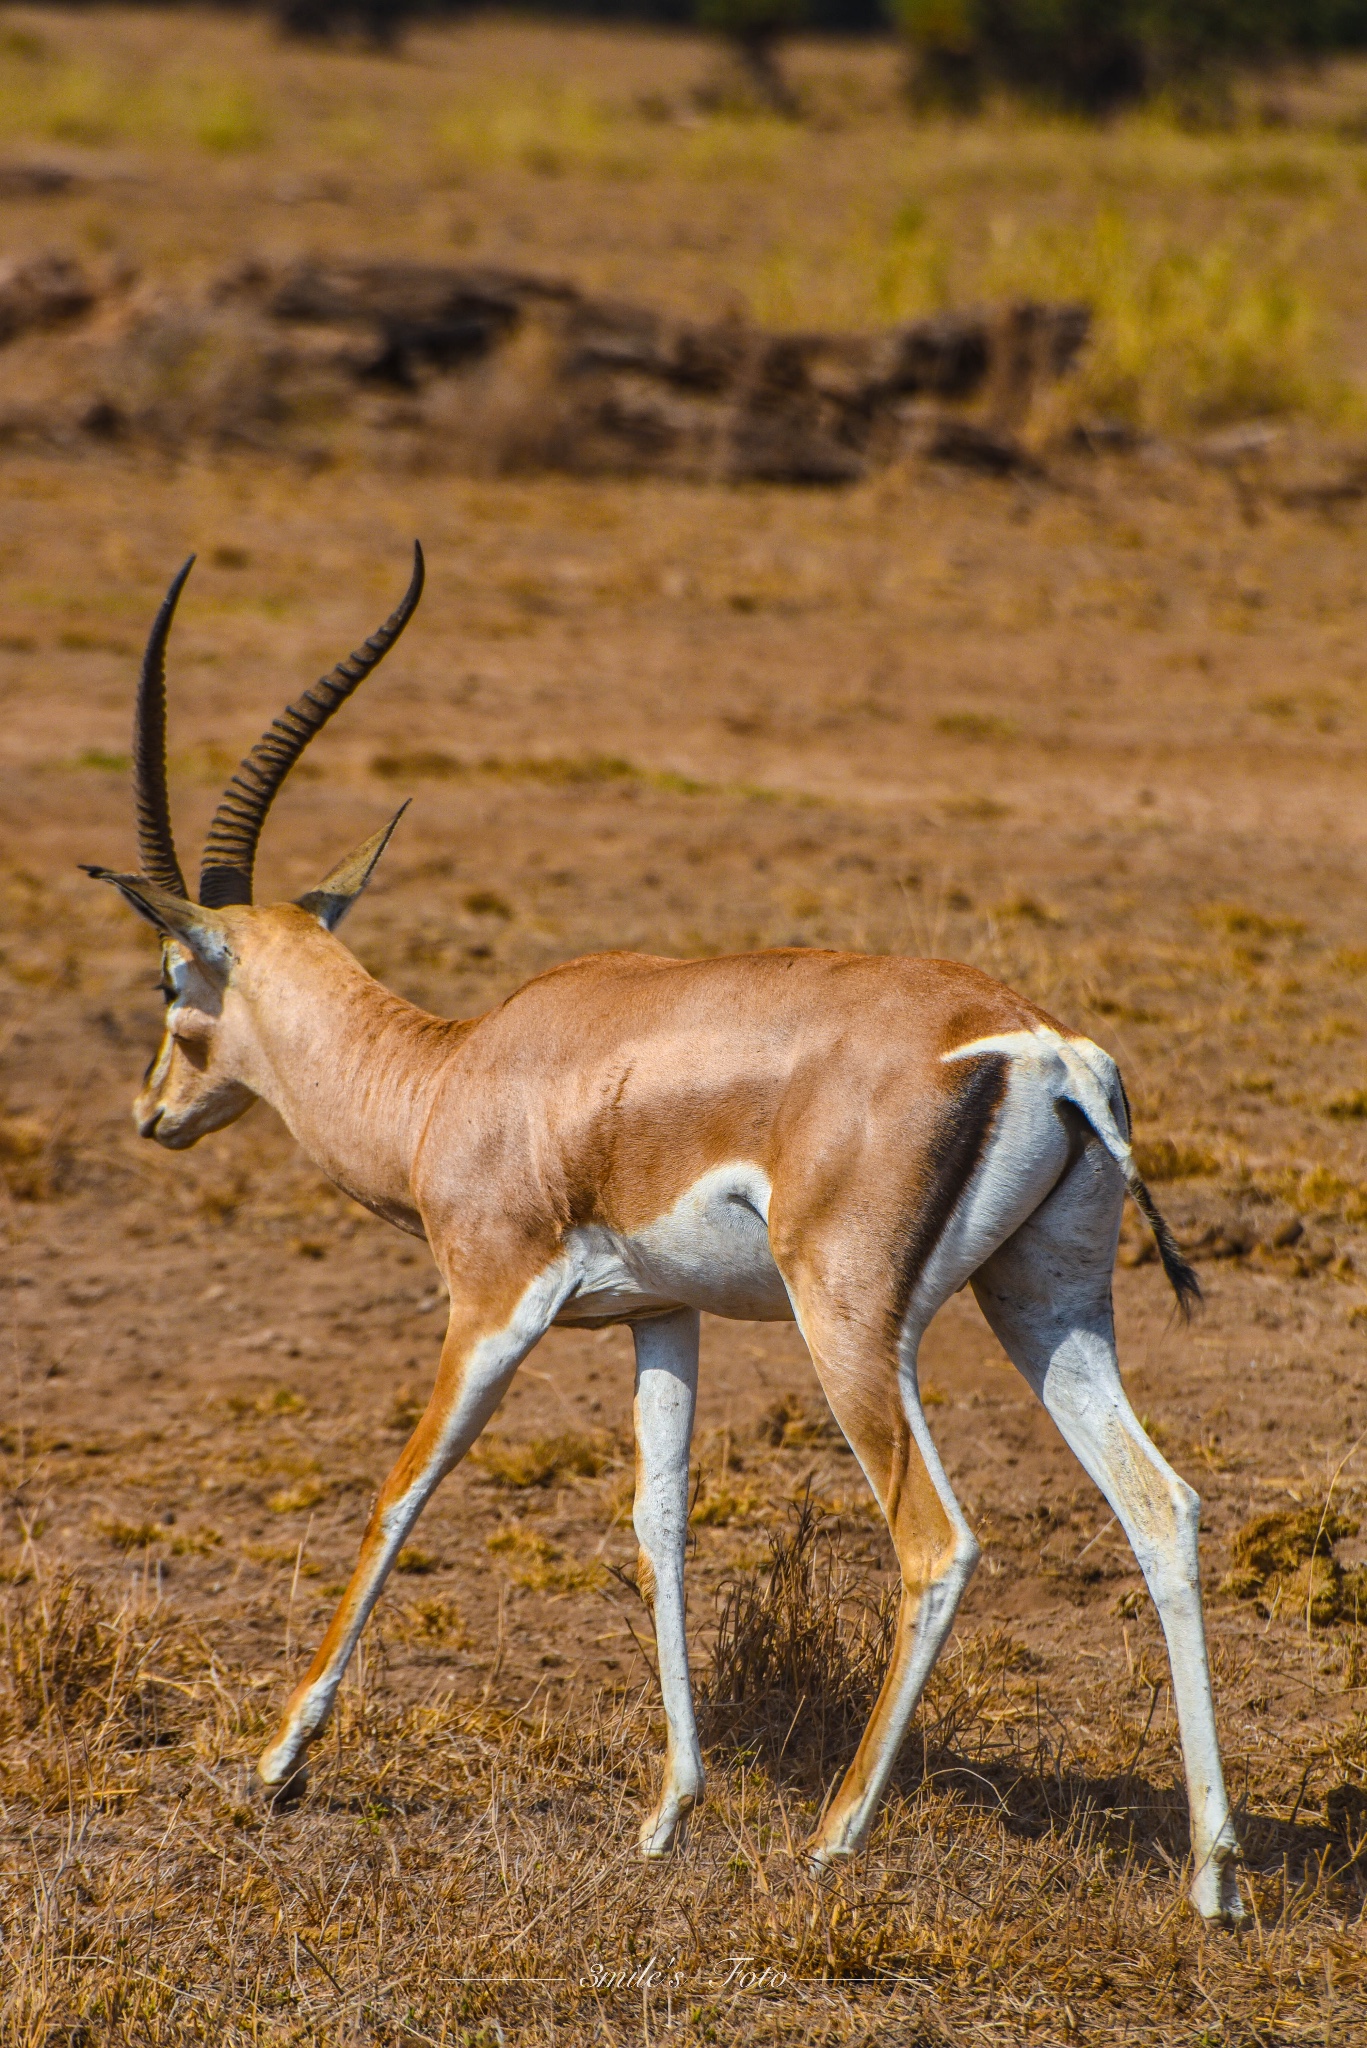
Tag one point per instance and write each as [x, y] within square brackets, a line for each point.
[156, 843]
[230, 849]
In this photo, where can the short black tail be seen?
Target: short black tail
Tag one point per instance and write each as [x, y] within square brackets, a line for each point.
[1181, 1276]
[1085, 1091]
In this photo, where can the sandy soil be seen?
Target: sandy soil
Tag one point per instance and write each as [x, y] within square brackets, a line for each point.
[1128, 831]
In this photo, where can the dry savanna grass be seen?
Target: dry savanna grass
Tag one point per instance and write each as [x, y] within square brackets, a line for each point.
[466, 1873]
[1101, 730]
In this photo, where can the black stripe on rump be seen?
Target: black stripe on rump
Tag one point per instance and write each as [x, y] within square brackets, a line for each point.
[1127, 1128]
[952, 1157]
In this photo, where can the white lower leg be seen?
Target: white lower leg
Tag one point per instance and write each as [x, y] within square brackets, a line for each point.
[666, 1392]
[450, 1425]
[311, 1706]
[1161, 1516]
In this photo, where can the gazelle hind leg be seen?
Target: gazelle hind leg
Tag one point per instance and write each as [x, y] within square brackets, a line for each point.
[471, 1381]
[1047, 1295]
[666, 1391]
[881, 1415]
[863, 1302]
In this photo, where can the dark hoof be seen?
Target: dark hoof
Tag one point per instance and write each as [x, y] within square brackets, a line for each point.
[279, 1798]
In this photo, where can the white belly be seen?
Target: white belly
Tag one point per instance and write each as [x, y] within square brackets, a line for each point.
[710, 1252]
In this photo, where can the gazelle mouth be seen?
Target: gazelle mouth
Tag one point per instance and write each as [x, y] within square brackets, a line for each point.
[147, 1127]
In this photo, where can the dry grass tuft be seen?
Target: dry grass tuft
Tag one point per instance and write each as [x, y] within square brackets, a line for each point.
[1024, 909]
[405, 1413]
[1173, 1159]
[1186, 334]
[558, 770]
[283, 1401]
[790, 1425]
[1236, 920]
[1288, 1559]
[718, 1507]
[799, 1653]
[431, 1622]
[542, 1461]
[127, 1536]
[540, 1566]
[73, 1665]
[285, 1556]
[414, 1559]
[297, 1499]
[31, 1159]
[1321, 1192]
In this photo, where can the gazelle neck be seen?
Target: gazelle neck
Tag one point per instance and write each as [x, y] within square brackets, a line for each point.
[350, 1067]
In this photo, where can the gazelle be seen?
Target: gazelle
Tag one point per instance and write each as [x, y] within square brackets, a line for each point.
[828, 1137]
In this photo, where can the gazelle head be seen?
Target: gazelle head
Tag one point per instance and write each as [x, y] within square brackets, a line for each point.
[200, 1076]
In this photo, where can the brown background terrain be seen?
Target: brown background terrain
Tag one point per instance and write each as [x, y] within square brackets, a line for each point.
[1103, 731]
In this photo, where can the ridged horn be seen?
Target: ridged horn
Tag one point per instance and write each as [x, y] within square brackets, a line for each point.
[156, 842]
[230, 849]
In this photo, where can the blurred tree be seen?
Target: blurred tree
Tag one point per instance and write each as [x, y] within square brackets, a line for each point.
[753, 30]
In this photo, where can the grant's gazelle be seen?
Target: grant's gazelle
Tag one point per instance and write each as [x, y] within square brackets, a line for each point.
[835, 1138]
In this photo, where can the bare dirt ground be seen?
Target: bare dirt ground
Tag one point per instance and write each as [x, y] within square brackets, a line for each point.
[1103, 733]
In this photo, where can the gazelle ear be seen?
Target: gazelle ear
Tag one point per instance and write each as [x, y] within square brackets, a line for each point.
[338, 890]
[203, 931]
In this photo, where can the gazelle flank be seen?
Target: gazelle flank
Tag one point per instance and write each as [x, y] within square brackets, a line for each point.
[829, 1137]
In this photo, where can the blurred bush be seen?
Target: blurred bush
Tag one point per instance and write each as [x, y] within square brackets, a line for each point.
[1183, 336]
[1092, 55]
[319, 18]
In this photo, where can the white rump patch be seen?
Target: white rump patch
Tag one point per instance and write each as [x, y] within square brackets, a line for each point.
[1083, 1074]
[1025, 1044]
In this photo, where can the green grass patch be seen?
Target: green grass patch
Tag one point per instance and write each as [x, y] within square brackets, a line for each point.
[96, 108]
[571, 771]
[974, 725]
[1237, 921]
[548, 129]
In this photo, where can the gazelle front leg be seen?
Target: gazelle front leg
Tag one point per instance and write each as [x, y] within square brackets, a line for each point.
[666, 1391]
[471, 1380]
